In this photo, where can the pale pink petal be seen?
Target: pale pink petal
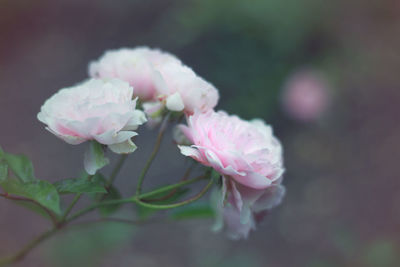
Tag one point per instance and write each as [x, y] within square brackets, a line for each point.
[253, 180]
[190, 152]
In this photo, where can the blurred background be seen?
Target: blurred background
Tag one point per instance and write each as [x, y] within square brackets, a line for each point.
[325, 74]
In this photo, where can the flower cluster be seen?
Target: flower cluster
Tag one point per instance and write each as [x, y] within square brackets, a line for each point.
[159, 78]
[103, 110]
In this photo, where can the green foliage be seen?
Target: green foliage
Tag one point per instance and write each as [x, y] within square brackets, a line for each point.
[26, 185]
[3, 171]
[193, 211]
[20, 165]
[39, 191]
[79, 185]
[87, 245]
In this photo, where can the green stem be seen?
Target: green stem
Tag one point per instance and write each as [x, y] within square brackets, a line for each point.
[175, 205]
[153, 154]
[72, 204]
[172, 192]
[171, 187]
[116, 170]
[20, 254]
[69, 208]
[137, 199]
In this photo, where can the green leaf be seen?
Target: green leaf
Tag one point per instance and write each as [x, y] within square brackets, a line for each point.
[94, 158]
[144, 212]
[79, 185]
[20, 165]
[192, 211]
[42, 192]
[3, 171]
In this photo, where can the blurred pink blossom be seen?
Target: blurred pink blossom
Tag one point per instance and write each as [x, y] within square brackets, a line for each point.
[306, 95]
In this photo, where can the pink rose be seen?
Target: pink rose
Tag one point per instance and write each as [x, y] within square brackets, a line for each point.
[135, 66]
[183, 90]
[101, 110]
[246, 151]
[248, 157]
[157, 76]
[305, 96]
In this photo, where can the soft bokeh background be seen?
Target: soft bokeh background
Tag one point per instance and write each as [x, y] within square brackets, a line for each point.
[343, 191]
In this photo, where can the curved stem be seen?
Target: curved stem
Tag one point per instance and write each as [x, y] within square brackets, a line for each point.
[116, 170]
[153, 154]
[52, 216]
[137, 199]
[19, 255]
[175, 205]
[172, 192]
[140, 202]
[171, 187]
